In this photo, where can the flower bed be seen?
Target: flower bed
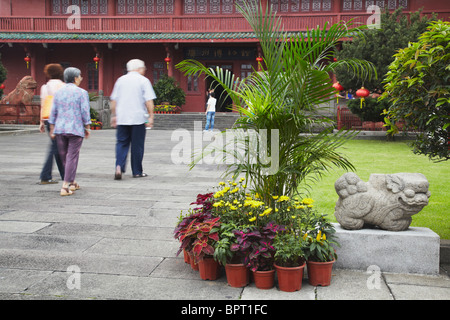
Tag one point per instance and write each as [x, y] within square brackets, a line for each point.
[96, 125]
[233, 225]
[170, 109]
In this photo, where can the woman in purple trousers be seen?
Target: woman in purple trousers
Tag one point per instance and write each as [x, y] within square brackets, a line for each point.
[69, 124]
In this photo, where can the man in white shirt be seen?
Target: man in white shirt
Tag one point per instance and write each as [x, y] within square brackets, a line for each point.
[132, 111]
[210, 112]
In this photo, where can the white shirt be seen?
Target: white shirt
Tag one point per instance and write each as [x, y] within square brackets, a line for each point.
[211, 104]
[130, 92]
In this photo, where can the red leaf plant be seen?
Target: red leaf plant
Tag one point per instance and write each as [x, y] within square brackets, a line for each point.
[256, 246]
[201, 236]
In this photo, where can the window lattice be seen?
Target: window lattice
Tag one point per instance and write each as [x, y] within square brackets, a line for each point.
[211, 6]
[145, 7]
[87, 7]
[362, 5]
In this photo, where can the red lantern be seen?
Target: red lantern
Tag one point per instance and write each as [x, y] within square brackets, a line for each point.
[259, 60]
[167, 60]
[96, 60]
[2, 86]
[339, 88]
[363, 92]
[27, 59]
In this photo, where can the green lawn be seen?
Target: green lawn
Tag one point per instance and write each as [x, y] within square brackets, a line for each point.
[369, 156]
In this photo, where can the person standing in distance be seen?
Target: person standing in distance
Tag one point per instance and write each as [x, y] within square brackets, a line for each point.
[210, 112]
[132, 111]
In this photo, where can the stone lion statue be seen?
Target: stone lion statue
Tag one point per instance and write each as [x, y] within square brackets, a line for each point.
[22, 95]
[386, 200]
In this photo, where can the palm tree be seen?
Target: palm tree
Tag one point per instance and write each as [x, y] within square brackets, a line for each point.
[282, 100]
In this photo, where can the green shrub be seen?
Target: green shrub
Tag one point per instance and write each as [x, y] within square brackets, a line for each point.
[167, 90]
[370, 111]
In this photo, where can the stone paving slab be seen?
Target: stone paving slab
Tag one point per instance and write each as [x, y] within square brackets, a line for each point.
[21, 226]
[88, 262]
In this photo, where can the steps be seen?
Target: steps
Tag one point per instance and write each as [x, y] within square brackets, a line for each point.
[191, 121]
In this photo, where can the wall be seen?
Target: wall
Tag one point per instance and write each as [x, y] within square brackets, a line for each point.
[23, 8]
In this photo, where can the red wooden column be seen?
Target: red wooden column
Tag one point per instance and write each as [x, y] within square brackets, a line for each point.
[100, 67]
[336, 8]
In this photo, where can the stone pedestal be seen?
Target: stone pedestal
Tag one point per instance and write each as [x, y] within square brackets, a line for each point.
[415, 250]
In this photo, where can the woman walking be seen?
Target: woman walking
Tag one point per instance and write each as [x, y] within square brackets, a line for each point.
[69, 124]
[54, 72]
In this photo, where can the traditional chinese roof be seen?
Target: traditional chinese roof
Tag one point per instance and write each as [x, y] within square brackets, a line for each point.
[124, 37]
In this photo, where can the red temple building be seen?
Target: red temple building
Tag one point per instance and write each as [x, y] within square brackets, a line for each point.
[160, 32]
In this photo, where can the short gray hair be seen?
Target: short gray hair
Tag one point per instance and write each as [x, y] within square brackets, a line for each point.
[70, 74]
[135, 64]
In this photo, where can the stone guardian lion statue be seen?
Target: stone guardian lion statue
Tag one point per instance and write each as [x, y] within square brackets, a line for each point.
[387, 200]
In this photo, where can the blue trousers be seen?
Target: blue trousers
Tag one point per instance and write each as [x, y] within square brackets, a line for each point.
[133, 135]
[210, 120]
[46, 173]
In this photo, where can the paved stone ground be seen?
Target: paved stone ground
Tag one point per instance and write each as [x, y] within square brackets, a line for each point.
[119, 233]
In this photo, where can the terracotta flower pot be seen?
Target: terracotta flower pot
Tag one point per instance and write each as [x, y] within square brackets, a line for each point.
[290, 278]
[186, 256]
[368, 125]
[209, 268]
[264, 279]
[319, 273]
[194, 265]
[238, 275]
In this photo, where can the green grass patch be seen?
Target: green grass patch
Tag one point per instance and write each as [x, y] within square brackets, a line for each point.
[373, 156]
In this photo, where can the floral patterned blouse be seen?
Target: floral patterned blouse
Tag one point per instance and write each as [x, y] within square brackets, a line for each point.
[71, 110]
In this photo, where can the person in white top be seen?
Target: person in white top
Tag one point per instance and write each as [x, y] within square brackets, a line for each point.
[210, 112]
[132, 111]
[54, 72]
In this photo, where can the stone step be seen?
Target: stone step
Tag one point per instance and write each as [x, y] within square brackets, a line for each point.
[191, 121]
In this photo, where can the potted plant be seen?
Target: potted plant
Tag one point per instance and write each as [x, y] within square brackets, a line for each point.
[256, 245]
[203, 247]
[231, 205]
[168, 92]
[319, 251]
[237, 273]
[289, 260]
[198, 214]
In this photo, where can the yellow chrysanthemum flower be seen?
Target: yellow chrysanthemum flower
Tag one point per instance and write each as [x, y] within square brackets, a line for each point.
[234, 190]
[307, 201]
[252, 219]
[283, 198]
[319, 236]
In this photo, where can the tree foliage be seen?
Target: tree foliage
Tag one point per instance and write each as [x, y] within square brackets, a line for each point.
[167, 90]
[379, 45]
[418, 86]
